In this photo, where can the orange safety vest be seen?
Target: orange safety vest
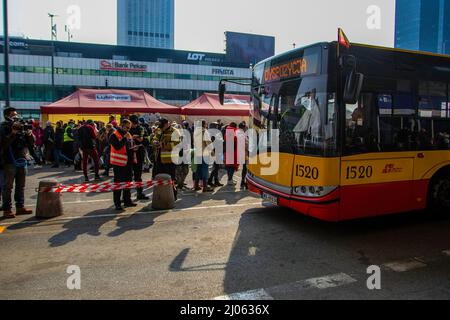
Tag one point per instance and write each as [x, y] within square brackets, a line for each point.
[119, 157]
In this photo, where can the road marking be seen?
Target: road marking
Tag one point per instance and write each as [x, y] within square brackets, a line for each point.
[2, 229]
[252, 251]
[320, 283]
[259, 294]
[332, 281]
[406, 265]
[121, 215]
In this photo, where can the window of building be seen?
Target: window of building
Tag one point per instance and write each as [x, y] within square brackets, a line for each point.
[119, 57]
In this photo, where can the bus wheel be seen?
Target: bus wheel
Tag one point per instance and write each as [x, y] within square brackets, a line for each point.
[440, 195]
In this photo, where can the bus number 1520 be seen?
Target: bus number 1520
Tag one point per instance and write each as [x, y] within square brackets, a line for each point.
[361, 172]
[306, 172]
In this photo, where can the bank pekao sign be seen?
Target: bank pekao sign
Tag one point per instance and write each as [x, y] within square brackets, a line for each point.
[113, 97]
[122, 66]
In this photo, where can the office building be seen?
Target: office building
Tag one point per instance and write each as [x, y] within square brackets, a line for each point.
[146, 23]
[172, 76]
[423, 25]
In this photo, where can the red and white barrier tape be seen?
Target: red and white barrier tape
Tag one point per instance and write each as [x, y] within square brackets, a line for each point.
[104, 187]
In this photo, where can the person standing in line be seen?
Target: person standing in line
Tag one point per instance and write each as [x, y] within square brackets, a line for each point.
[146, 144]
[57, 149]
[202, 164]
[121, 159]
[138, 132]
[38, 134]
[182, 169]
[87, 144]
[68, 140]
[242, 131]
[49, 142]
[107, 151]
[231, 164]
[213, 180]
[112, 120]
[163, 146]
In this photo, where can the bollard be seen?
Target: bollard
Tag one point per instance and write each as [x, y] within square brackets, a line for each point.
[49, 204]
[163, 196]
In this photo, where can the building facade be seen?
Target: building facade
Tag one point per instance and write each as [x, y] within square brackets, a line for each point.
[423, 25]
[146, 23]
[173, 76]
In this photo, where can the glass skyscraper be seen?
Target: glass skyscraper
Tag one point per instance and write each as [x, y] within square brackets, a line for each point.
[146, 23]
[423, 25]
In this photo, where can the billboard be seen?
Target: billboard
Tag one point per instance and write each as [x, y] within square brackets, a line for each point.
[248, 48]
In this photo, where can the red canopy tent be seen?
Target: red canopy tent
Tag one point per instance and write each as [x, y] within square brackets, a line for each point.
[208, 107]
[109, 101]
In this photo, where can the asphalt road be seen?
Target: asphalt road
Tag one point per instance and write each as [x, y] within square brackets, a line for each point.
[225, 245]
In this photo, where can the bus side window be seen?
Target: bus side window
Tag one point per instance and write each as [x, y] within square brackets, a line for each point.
[424, 135]
[432, 99]
[361, 126]
[442, 134]
[442, 126]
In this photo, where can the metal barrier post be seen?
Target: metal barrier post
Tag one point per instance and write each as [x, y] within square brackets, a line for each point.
[49, 204]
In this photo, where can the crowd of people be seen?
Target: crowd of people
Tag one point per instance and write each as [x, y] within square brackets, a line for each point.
[128, 146]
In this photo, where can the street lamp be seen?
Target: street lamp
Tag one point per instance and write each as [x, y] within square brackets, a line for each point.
[6, 54]
[69, 33]
[53, 37]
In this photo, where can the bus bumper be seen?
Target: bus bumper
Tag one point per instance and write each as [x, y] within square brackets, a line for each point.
[325, 208]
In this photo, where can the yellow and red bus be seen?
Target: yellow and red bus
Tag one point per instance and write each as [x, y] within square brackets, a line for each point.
[364, 130]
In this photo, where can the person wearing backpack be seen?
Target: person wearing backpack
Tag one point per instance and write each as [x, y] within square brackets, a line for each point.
[86, 140]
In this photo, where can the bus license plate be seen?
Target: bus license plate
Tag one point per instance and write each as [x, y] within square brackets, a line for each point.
[270, 198]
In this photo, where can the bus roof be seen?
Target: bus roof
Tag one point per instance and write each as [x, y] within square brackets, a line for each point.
[281, 55]
[422, 53]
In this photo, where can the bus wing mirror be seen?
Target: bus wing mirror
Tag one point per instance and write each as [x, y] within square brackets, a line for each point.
[222, 89]
[353, 86]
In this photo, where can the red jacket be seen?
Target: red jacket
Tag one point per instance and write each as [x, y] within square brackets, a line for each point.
[38, 134]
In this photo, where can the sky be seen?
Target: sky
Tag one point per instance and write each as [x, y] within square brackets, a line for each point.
[200, 24]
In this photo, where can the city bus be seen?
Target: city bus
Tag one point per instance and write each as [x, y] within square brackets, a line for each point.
[364, 130]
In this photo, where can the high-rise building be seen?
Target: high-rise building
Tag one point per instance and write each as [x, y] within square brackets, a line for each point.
[423, 25]
[146, 23]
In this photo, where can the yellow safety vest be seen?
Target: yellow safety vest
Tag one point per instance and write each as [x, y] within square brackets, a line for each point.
[66, 135]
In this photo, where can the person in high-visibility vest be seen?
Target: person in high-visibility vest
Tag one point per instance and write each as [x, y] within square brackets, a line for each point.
[137, 131]
[163, 144]
[121, 159]
[68, 140]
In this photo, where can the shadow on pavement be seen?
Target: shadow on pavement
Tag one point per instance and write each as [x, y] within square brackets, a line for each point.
[275, 246]
[140, 220]
[80, 226]
[30, 222]
[177, 264]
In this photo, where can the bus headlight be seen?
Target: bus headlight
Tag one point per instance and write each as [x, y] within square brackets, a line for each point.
[312, 191]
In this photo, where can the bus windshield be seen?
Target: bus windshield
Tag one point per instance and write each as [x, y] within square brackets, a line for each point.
[300, 108]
